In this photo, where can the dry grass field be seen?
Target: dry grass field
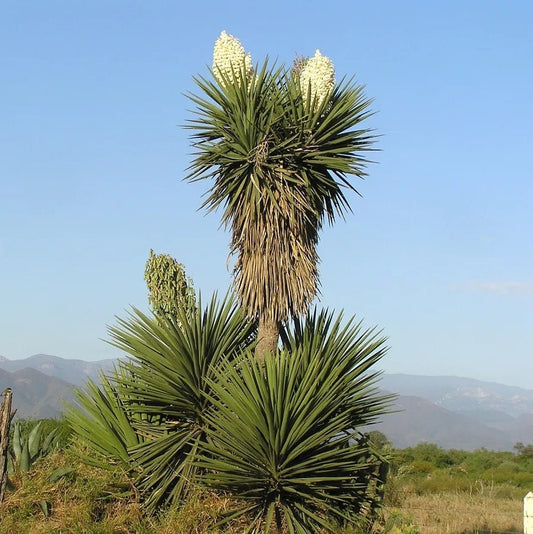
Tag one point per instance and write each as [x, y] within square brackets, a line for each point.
[450, 513]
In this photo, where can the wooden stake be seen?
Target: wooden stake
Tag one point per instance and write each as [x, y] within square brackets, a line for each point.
[5, 421]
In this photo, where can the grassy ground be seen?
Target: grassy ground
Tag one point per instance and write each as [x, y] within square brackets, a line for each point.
[460, 492]
[92, 501]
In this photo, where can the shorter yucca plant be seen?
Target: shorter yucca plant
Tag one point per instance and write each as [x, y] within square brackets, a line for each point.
[283, 435]
[171, 359]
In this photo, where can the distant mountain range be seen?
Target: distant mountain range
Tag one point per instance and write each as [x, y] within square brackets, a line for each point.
[42, 383]
[452, 412]
[74, 371]
[455, 412]
[486, 400]
[36, 395]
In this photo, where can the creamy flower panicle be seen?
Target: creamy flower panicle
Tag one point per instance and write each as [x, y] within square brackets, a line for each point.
[230, 59]
[317, 79]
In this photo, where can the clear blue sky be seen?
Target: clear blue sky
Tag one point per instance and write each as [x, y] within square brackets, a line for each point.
[438, 252]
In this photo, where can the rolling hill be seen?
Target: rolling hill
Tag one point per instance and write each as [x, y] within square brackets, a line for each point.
[36, 395]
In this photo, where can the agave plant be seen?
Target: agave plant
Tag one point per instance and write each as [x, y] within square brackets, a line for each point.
[284, 437]
[26, 449]
[171, 360]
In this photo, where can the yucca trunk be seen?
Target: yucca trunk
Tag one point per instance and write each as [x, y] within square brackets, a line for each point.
[276, 269]
[267, 338]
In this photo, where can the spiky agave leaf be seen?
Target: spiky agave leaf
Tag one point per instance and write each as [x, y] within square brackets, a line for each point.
[170, 360]
[282, 436]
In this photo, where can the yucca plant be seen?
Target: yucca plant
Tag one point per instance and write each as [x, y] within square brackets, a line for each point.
[210, 397]
[170, 362]
[279, 145]
[284, 436]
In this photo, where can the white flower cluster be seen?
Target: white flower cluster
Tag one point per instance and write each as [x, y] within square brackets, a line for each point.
[230, 59]
[317, 79]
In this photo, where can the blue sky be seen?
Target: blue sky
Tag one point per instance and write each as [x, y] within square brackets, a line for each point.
[438, 252]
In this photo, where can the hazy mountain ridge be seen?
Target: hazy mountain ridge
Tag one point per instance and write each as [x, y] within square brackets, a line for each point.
[42, 383]
[463, 394]
[36, 395]
[76, 372]
[457, 412]
[419, 420]
[452, 412]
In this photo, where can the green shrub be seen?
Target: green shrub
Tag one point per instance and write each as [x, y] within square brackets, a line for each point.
[441, 481]
[398, 523]
[422, 467]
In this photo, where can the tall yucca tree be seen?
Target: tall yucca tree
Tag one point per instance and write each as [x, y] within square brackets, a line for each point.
[280, 145]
